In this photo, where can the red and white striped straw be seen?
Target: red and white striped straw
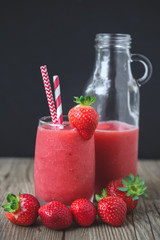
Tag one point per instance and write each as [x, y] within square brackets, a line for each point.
[57, 93]
[49, 93]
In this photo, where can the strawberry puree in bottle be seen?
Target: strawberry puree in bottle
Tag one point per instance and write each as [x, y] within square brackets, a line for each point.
[64, 167]
[116, 147]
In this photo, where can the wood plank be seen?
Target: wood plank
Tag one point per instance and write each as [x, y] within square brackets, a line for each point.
[150, 170]
[141, 223]
[102, 231]
[144, 223]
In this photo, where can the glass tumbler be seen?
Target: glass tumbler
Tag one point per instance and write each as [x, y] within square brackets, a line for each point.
[64, 167]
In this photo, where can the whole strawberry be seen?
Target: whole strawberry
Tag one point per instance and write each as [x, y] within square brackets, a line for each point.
[22, 210]
[83, 117]
[128, 189]
[112, 210]
[84, 212]
[55, 215]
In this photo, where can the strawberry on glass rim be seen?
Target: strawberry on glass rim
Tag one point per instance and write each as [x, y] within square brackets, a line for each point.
[83, 117]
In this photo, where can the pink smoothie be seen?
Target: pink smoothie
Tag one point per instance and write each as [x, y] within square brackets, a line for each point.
[64, 167]
[116, 146]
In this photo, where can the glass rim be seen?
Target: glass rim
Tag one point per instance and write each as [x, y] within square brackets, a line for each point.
[47, 120]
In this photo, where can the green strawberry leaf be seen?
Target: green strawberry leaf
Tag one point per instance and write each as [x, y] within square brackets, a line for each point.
[136, 180]
[98, 197]
[88, 98]
[144, 188]
[104, 192]
[131, 177]
[145, 194]
[123, 189]
[11, 211]
[82, 99]
[14, 205]
[135, 197]
[10, 197]
[129, 194]
[141, 182]
[124, 182]
[93, 99]
[6, 207]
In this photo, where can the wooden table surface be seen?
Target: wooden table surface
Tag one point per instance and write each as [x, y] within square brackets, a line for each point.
[16, 175]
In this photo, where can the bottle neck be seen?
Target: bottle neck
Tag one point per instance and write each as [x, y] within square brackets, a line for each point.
[109, 59]
[112, 53]
[110, 40]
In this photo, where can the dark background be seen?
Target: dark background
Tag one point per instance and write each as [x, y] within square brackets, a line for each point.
[61, 35]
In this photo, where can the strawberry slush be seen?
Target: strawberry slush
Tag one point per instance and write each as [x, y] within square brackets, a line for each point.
[64, 165]
[116, 147]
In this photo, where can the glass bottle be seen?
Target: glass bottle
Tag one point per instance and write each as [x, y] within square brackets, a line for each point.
[117, 94]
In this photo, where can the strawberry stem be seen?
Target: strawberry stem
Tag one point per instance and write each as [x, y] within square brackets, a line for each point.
[85, 101]
[13, 203]
[133, 187]
[103, 194]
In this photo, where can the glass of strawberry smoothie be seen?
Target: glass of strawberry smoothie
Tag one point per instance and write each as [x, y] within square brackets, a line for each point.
[64, 168]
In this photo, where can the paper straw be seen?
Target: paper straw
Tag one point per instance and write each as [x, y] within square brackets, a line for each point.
[49, 93]
[57, 93]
